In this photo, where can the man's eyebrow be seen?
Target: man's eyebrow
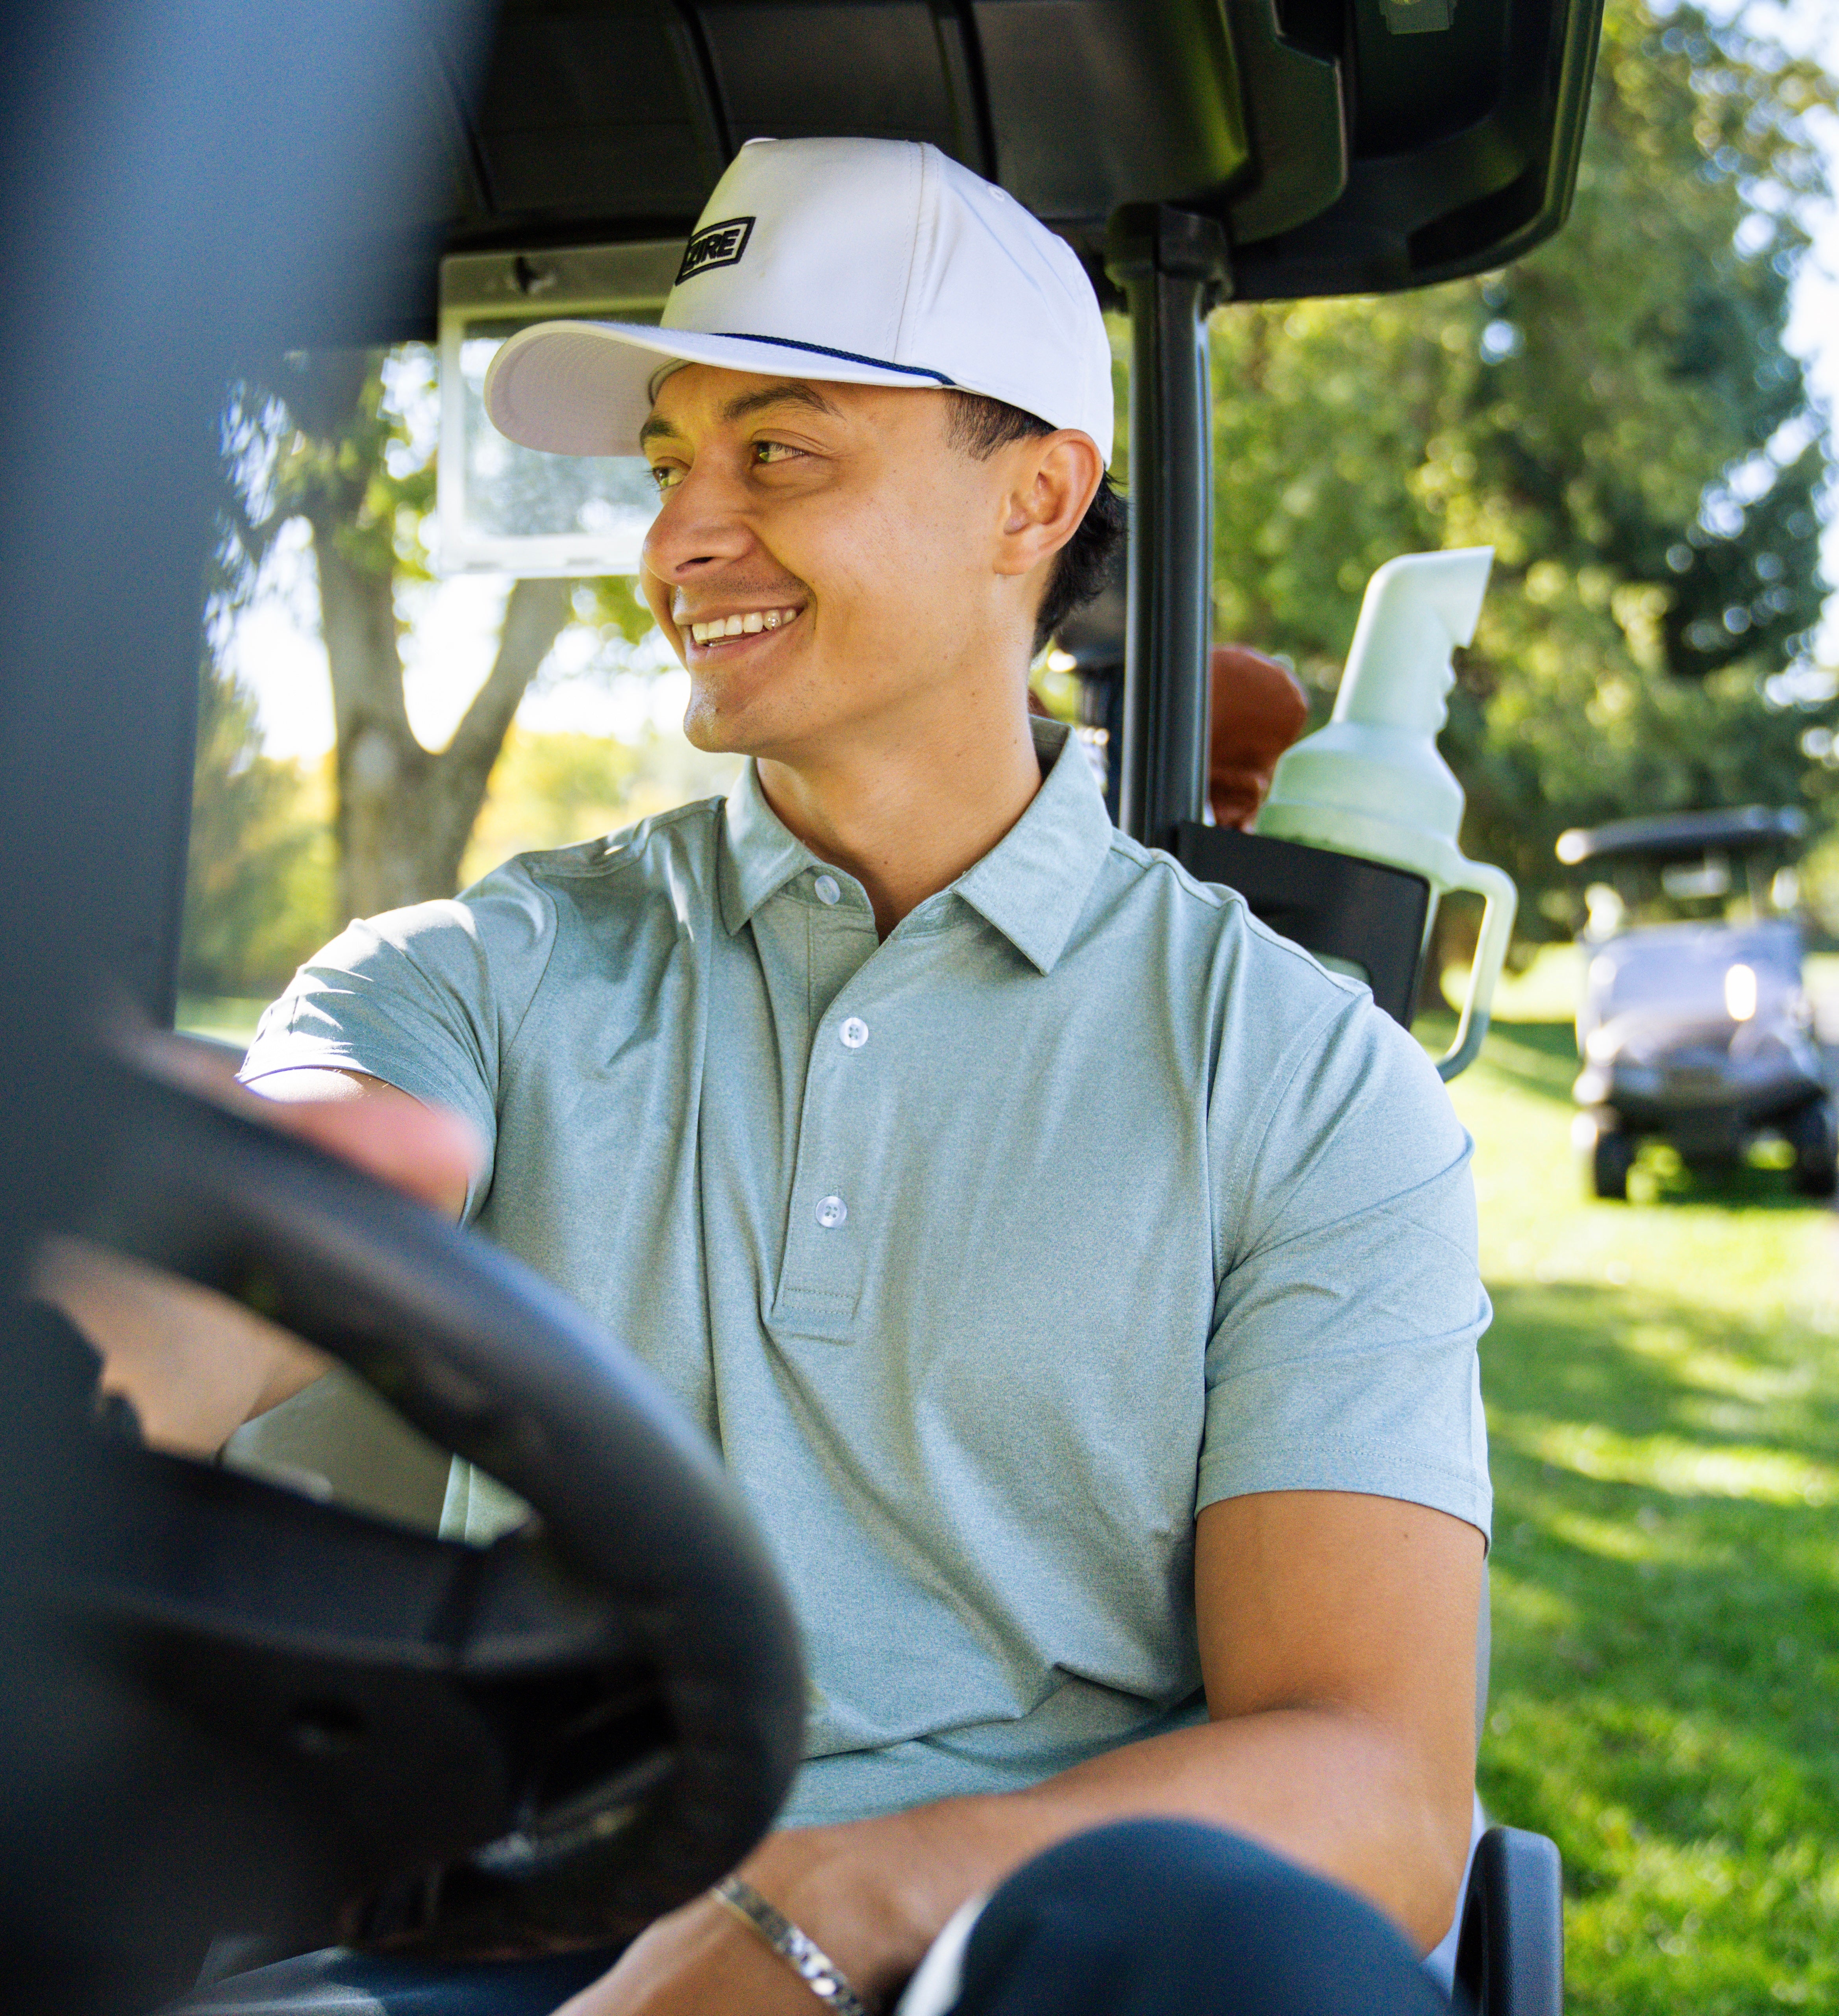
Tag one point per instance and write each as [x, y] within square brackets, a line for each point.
[794, 392]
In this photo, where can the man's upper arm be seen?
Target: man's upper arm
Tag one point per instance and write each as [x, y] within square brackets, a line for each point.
[1348, 1300]
[1331, 1598]
[428, 1000]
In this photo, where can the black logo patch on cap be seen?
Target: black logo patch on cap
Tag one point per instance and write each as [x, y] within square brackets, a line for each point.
[715, 245]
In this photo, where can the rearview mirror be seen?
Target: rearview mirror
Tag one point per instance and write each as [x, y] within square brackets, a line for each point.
[508, 509]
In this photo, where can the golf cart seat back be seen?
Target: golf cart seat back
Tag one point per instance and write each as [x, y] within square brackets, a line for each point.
[1365, 919]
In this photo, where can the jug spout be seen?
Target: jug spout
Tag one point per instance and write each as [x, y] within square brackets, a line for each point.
[1417, 608]
[1372, 781]
[1373, 784]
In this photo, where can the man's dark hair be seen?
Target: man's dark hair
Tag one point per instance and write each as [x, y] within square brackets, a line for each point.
[980, 427]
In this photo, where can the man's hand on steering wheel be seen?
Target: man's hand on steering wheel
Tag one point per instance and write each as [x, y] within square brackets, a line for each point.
[193, 1364]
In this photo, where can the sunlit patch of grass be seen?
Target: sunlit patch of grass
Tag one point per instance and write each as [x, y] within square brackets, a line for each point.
[1665, 1463]
[1663, 1381]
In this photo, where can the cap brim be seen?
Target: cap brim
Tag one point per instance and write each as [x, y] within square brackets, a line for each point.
[584, 387]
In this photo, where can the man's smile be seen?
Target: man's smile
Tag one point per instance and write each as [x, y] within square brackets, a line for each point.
[724, 632]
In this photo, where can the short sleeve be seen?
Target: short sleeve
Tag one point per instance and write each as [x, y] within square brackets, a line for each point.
[428, 999]
[1343, 1354]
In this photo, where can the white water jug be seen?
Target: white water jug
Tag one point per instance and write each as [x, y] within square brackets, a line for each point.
[1372, 782]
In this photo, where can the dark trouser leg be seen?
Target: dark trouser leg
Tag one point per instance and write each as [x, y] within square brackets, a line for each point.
[1170, 1918]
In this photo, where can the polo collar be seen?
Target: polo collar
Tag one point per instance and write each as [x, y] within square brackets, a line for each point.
[761, 855]
[1031, 886]
[1033, 883]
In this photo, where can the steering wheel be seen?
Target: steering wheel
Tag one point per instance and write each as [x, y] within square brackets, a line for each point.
[478, 1752]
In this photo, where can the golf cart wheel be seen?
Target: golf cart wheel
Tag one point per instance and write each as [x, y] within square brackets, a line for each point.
[1815, 1139]
[1611, 1158]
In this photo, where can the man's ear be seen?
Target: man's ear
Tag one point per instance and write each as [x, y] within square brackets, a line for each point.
[1053, 478]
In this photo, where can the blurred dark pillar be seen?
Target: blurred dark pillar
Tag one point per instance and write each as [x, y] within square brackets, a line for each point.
[179, 180]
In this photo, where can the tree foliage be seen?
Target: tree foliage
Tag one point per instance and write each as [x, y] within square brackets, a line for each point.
[277, 856]
[319, 440]
[259, 876]
[1616, 415]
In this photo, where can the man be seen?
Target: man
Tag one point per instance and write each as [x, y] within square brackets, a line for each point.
[1079, 1282]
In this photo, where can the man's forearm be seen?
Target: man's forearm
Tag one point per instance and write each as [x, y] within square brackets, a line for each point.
[1336, 1792]
[195, 1365]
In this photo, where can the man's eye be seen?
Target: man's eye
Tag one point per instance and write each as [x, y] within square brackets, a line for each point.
[666, 475]
[769, 451]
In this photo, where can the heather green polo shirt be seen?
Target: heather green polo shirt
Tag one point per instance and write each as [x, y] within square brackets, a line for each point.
[988, 1254]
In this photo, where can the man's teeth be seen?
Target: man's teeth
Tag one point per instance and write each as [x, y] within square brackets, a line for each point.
[740, 626]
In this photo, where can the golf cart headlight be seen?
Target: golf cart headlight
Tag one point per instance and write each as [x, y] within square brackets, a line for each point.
[1602, 1043]
[1739, 993]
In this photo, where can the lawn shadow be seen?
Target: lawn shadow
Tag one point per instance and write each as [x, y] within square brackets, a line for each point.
[1666, 1666]
[1762, 1181]
[1539, 1057]
[1640, 1361]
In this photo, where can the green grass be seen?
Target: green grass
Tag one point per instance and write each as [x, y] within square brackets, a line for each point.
[1663, 1391]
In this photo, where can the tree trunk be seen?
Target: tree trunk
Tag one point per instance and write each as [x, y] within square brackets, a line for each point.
[405, 813]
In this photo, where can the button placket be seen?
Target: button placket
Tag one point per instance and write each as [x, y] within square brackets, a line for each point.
[821, 1275]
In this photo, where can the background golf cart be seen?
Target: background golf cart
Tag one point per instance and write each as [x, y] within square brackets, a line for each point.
[1694, 1025]
[199, 1728]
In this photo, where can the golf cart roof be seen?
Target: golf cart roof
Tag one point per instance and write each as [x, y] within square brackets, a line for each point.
[1680, 836]
[1345, 145]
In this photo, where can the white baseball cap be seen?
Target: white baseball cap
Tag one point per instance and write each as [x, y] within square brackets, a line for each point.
[860, 262]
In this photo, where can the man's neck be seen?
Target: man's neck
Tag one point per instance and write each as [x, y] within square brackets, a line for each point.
[906, 813]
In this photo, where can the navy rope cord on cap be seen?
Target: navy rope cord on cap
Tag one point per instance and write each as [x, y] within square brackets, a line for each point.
[847, 356]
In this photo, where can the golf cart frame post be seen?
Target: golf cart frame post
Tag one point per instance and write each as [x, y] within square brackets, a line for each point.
[1173, 267]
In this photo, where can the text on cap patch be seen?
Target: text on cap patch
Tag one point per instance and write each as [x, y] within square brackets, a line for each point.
[715, 245]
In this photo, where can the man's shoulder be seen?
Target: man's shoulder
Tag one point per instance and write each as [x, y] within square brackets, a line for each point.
[533, 896]
[1151, 888]
[623, 860]
[1277, 1034]
[510, 922]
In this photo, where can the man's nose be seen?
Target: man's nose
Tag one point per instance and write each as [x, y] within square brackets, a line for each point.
[701, 524]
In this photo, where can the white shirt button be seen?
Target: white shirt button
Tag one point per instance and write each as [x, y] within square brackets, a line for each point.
[831, 1212]
[854, 1033]
[828, 888]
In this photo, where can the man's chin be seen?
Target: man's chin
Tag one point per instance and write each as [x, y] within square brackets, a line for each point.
[714, 729]
[732, 724]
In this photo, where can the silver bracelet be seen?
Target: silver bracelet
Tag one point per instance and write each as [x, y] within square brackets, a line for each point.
[800, 1953]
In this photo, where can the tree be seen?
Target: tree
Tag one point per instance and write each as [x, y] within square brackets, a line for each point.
[320, 440]
[1617, 417]
[259, 880]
